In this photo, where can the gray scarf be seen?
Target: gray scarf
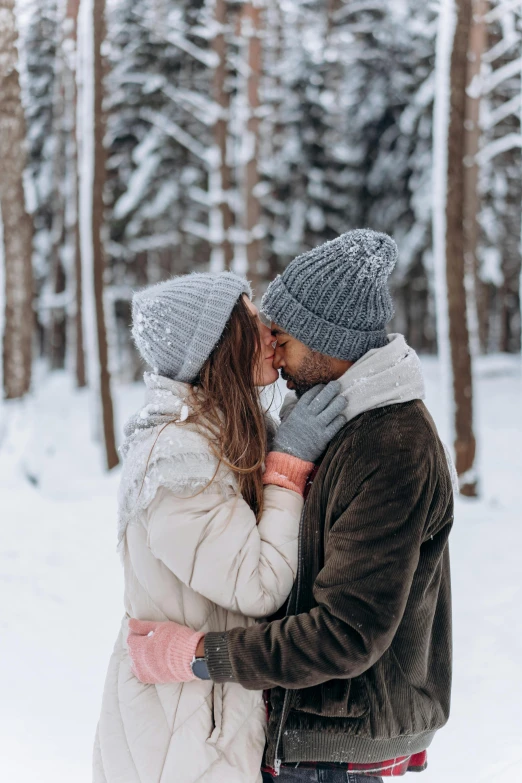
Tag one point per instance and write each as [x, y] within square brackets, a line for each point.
[383, 376]
[387, 376]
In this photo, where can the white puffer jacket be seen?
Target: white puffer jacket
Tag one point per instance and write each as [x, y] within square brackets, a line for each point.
[201, 560]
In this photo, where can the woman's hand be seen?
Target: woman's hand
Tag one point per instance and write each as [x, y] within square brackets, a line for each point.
[162, 652]
[312, 423]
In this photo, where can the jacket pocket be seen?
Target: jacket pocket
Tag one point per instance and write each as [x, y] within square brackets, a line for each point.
[335, 699]
[421, 708]
[217, 713]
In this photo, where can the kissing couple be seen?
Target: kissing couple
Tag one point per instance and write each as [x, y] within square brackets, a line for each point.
[287, 587]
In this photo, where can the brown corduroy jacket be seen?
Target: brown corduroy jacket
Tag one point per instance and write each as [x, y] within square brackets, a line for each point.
[360, 668]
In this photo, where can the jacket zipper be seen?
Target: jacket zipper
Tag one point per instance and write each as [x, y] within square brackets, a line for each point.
[277, 761]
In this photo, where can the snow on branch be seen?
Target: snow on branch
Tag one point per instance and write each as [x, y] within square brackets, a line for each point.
[155, 242]
[173, 130]
[202, 108]
[129, 248]
[356, 7]
[200, 196]
[500, 10]
[501, 112]
[508, 142]
[199, 230]
[500, 48]
[138, 181]
[208, 58]
[503, 73]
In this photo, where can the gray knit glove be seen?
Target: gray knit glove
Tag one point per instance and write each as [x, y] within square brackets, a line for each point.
[312, 423]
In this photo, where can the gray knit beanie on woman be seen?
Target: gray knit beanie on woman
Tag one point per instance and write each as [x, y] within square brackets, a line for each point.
[335, 298]
[177, 324]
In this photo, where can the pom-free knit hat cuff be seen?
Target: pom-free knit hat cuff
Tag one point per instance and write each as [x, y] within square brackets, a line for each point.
[221, 301]
[178, 323]
[282, 308]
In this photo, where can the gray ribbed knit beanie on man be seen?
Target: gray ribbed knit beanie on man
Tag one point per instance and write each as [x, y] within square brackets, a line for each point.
[177, 324]
[335, 298]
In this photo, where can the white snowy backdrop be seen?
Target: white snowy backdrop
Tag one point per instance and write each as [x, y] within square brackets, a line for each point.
[61, 586]
[145, 138]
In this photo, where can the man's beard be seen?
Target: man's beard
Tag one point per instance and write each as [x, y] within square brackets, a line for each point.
[315, 368]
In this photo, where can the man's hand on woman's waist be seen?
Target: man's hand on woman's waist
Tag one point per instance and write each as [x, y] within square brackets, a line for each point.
[163, 652]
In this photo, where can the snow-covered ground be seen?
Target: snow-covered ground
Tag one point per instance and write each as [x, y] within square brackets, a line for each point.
[60, 586]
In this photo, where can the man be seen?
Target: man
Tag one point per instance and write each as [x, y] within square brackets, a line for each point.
[359, 669]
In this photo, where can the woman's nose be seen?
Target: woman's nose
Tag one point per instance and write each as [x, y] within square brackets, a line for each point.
[266, 335]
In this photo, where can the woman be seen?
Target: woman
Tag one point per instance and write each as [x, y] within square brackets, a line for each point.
[207, 538]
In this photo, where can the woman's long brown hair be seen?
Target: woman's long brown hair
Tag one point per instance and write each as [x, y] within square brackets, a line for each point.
[225, 400]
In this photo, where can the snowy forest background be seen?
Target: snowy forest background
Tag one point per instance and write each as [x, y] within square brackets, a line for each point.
[145, 138]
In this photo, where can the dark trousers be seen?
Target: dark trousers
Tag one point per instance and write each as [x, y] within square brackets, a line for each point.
[310, 775]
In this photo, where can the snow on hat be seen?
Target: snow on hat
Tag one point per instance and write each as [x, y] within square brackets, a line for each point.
[335, 298]
[176, 324]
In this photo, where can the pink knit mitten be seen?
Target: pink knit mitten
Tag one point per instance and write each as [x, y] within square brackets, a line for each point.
[287, 471]
[162, 652]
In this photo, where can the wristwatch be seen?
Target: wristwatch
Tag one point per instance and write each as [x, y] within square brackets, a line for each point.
[199, 668]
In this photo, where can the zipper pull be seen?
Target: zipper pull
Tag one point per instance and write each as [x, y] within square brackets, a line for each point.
[277, 767]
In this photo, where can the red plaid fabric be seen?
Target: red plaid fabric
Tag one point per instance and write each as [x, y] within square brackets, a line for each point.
[391, 769]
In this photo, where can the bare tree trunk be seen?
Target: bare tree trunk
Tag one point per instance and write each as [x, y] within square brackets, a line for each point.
[272, 131]
[520, 274]
[223, 253]
[79, 362]
[17, 225]
[98, 8]
[476, 48]
[465, 445]
[251, 28]
[56, 328]
[79, 350]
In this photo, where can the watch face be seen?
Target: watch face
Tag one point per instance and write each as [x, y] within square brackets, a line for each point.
[200, 670]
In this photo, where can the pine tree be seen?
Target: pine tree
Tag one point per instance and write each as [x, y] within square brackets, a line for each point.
[40, 49]
[355, 92]
[16, 223]
[156, 182]
[72, 217]
[251, 31]
[221, 174]
[499, 256]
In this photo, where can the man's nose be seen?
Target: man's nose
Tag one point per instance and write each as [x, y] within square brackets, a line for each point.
[277, 362]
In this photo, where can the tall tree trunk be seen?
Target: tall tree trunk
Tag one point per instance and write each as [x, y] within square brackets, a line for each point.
[79, 347]
[56, 329]
[97, 238]
[251, 29]
[92, 156]
[476, 293]
[17, 225]
[520, 275]
[220, 184]
[79, 350]
[465, 445]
